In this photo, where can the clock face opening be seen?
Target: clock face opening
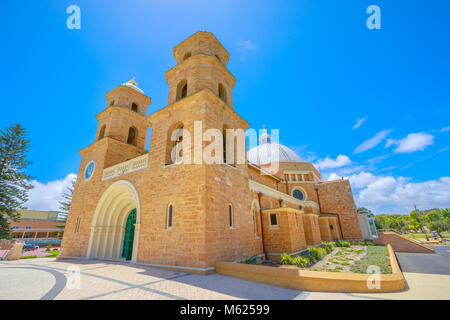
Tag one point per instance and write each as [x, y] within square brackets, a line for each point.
[89, 170]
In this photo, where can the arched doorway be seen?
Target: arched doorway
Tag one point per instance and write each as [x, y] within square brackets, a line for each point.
[116, 222]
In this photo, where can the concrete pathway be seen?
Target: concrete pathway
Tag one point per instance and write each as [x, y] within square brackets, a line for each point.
[48, 278]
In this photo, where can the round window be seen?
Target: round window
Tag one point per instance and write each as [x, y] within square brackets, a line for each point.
[298, 194]
[89, 170]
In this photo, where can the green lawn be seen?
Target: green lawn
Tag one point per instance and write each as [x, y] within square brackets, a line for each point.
[52, 253]
[422, 236]
[376, 255]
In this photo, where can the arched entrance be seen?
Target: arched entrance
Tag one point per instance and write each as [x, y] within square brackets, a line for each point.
[116, 222]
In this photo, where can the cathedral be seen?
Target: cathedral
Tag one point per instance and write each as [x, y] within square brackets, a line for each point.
[151, 207]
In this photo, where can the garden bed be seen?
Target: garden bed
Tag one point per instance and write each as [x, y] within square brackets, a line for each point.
[339, 256]
[355, 259]
[294, 277]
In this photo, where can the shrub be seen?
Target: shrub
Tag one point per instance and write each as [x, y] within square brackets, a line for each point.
[311, 260]
[343, 244]
[317, 253]
[300, 261]
[285, 259]
[329, 246]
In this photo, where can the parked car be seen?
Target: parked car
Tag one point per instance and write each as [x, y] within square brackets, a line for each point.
[30, 247]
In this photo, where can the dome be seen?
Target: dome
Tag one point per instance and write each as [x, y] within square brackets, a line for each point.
[268, 151]
[133, 85]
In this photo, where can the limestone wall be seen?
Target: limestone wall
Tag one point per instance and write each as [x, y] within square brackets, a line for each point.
[336, 197]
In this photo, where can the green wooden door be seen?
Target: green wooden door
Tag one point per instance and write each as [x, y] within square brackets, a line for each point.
[129, 236]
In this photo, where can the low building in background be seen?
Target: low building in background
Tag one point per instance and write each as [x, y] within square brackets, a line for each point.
[38, 227]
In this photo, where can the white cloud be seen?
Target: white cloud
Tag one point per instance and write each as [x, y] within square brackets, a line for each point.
[389, 190]
[334, 176]
[387, 169]
[246, 45]
[359, 122]
[327, 163]
[372, 142]
[399, 194]
[46, 196]
[362, 179]
[378, 159]
[445, 129]
[411, 143]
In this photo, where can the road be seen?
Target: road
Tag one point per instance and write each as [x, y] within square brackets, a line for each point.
[437, 263]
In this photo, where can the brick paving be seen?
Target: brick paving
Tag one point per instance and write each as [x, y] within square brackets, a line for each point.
[48, 278]
[115, 280]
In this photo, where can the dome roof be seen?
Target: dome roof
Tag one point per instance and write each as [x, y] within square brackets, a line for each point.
[268, 151]
[133, 85]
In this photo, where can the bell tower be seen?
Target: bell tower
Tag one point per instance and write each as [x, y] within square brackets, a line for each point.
[124, 116]
[210, 200]
[201, 64]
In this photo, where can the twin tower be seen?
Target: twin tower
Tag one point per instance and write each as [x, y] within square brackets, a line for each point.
[139, 205]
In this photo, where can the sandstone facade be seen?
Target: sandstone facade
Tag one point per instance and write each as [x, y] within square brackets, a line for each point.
[189, 216]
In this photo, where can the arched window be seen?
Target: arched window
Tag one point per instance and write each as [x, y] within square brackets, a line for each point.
[101, 135]
[230, 145]
[230, 215]
[182, 90]
[134, 107]
[218, 58]
[186, 55]
[298, 194]
[255, 223]
[132, 136]
[169, 216]
[111, 103]
[222, 93]
[224, 133]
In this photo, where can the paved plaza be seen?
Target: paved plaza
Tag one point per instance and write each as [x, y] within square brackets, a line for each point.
[48, 278]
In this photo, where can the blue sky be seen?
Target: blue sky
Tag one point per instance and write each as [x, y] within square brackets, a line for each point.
[310, 68]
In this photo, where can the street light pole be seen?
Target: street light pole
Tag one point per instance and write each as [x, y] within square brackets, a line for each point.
[421, 225]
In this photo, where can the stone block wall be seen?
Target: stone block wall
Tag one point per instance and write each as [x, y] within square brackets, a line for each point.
[287, 236]
[325, 232]
[336, 197]
[312, 229]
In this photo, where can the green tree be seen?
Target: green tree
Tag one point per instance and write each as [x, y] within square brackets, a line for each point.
[363, 210]
[64, 204]
[437, 220]
[14, 184]
[413, 221]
